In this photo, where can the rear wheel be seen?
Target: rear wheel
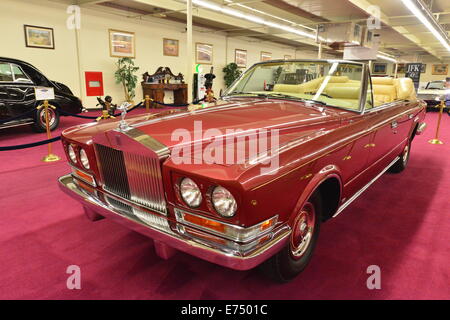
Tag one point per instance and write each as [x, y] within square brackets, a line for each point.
[402, 162]
[39, 120]
[293, 259]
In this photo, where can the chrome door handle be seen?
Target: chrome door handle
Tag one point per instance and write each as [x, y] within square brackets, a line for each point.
[394, 124]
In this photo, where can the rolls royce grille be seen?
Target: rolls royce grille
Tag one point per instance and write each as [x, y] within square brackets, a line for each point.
[133, 177]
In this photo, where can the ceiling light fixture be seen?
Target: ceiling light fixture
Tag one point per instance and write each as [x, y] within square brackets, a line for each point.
[386, 56]
[269, 15]
[420, 12]
[251, 18]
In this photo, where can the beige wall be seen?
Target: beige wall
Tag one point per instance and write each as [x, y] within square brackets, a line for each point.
[425, 77]
[62, 64]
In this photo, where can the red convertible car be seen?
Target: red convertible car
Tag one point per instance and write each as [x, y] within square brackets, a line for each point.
[248, 180]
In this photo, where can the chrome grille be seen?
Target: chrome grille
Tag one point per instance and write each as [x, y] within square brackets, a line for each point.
[134, 177]
[113, 171]
[153, 220]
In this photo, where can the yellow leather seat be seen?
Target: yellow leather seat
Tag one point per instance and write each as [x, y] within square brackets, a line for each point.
[383, 93]
[345, 92]
[386, 89]
[351, 92]
[405, 89]
[288, 88]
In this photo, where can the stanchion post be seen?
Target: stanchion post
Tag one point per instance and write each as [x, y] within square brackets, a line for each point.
[50, 157]
[147, 103]
[436, 137]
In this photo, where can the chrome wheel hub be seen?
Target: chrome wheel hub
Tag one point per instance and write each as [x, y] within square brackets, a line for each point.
[51, 116]
[302, 231]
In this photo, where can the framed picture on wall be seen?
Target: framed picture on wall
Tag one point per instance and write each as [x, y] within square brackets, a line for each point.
[171, 47]
[39, 37]
[266, 56]
[439, 69]
[423, 68]
[203, 53]
[379, 68]
[121, 44]
[240, 58]
[401, 68]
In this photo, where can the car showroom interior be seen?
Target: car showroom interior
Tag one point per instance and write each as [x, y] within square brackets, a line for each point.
[225, 150]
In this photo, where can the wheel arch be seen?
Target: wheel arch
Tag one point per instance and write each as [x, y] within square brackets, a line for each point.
[328, 183]
[414, 131]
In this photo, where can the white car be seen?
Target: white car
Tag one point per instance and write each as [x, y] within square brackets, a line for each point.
[433, 93]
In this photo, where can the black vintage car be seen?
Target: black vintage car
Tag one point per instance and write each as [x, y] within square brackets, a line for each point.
[17, 82]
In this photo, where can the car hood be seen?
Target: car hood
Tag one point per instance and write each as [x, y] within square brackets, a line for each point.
[288, 120]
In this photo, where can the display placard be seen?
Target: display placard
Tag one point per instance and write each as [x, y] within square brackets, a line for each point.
[413, 72]
[44, 93]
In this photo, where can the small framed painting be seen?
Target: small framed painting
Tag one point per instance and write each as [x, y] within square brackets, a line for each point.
[121, 44]
[287, 57]
[379, 68]
[401, 68]
[240, 58]
[439, 69]
[39, 37]
[203, 53]
[171, 47]
[423, 68]
[266, 56]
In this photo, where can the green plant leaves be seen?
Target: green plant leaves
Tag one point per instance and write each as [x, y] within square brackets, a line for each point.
[231, 72]
[125, 74]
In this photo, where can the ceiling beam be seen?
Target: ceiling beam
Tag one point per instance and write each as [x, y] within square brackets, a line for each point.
[365, 5]
[223, 18]
[295, 10]
[85, 2]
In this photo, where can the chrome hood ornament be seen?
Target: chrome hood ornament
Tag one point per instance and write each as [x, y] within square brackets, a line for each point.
[123, 108]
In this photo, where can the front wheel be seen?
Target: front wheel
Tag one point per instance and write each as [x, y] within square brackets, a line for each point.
[402, 162]
[293, 259]
[39, 120]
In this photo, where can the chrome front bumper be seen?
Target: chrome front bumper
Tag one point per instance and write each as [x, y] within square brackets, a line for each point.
[163, 233]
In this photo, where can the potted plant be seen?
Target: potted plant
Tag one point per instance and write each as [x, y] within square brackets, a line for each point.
[125, 74]
[231, 72]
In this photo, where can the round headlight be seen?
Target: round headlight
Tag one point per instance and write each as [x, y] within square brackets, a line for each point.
[190, 193]
[224, 202]
[84, 159]
[72, 154]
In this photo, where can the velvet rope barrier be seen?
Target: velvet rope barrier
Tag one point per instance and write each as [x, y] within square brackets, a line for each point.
[88, 117]
[30, 145]
[39, 143]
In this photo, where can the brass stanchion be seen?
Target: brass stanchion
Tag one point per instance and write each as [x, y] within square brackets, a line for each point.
[50, 157]
[436, 137]
[147, 102]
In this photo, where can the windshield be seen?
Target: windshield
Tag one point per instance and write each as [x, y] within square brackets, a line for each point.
[435, 85]
[328, 82]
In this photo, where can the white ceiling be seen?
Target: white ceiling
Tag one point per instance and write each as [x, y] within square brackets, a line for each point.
[401, 33]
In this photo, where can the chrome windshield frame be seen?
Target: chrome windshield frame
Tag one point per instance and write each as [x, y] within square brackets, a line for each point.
[364, 78]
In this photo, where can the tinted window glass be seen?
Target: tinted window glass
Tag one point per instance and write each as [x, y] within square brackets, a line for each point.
[435, 85]
[18, 74]
[5, 72]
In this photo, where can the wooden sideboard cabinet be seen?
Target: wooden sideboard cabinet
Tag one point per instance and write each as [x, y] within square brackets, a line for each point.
[156, 92]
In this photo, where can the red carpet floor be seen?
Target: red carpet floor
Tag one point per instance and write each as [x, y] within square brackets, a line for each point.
[401, 224]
